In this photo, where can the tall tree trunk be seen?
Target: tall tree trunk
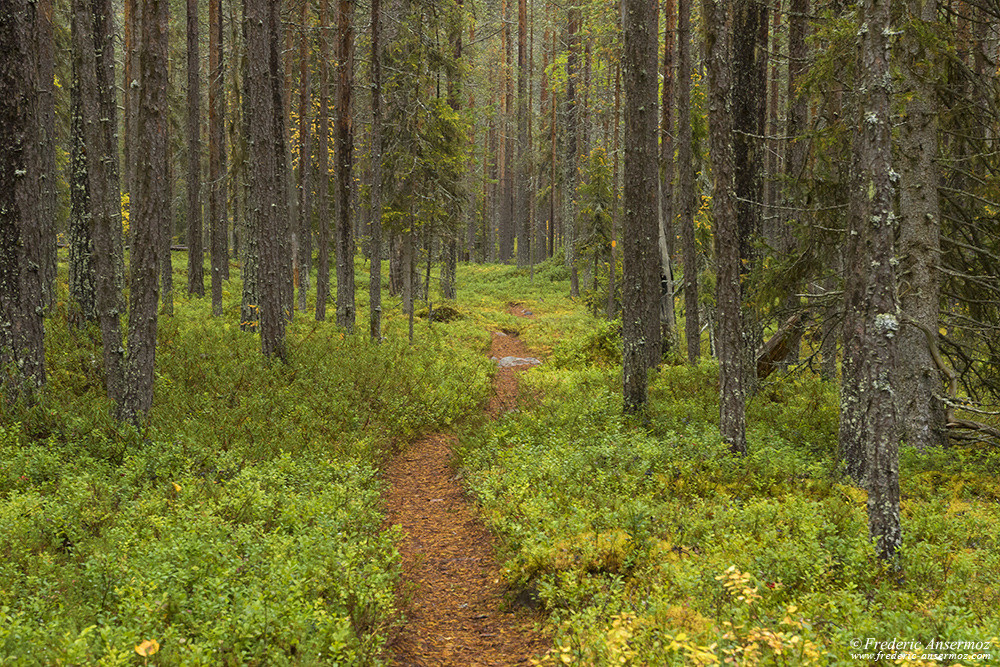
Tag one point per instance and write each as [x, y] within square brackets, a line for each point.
[449, 268]
[375, 277]
[685, 182]
[612, 307]
[572, 147]
[304, 235]
[868, 422]
[47, 145]
[748, 99]
[797, 147]
[130, 89]
[107, 226]
[97, 167]
[151, 211]
[344, 154]
[262, 104]
[508, 227]
[196, 262]
[22, 344]
[523, 148]
[281, 78]
[667, 323]
[921, 411]
[639, 233]
[732, 401]
[323, 157]
[217, 218]
[82, 291]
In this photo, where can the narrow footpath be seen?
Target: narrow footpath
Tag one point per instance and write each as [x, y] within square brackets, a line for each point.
[452, 594]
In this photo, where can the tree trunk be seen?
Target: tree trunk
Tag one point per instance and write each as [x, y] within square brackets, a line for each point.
[304, 234]
[732, 401]
[868, 422]
[196, 262]
[323, 157]
[22, 345]
[47, 146]
[685, 193]
[151, 212]
[375, 277]
[667, 323]
[921, 411]
[344, 154]
[508, 227]
[281, 79]
[748, 113]
[797, 147]
[572, 147]
[217, 218]
[523, 148]
[639, 227]
[264, 192]
[96, 125]
[82, 291]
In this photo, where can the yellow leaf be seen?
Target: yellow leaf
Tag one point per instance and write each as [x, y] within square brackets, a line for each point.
[147, 648]
[177, 487]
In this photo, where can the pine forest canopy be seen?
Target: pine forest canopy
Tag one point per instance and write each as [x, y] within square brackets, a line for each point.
[816, 186]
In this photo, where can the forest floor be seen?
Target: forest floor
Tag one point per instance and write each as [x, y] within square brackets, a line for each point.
[453, 595]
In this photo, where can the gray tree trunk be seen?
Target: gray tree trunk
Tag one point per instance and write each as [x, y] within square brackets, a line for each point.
[868, 422]
[304, 231]
[47, 144]
[217, 218]
[668, 322]
[323, 158]
[82, 292]
[151, 212]
[22, 344]
[96, 126]
[921, 411]
[732, 397]
[639, 223]
[344, 154]
[685, 182]
[375, 276]
[196, 262]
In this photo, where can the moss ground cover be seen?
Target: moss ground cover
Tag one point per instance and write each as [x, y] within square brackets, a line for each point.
[654, 546]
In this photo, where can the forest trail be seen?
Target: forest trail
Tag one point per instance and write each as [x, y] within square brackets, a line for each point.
[452, 593]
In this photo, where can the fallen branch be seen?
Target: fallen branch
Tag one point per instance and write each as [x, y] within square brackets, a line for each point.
[772, 352]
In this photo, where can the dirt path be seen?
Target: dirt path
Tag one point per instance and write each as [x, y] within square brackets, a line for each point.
[453, 590]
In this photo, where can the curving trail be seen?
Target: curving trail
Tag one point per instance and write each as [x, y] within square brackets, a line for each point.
[453, 592]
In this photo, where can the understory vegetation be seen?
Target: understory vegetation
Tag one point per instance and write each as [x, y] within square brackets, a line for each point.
[654, 545]
[244, 525]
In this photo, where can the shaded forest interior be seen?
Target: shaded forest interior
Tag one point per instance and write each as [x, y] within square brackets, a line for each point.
[794, 191]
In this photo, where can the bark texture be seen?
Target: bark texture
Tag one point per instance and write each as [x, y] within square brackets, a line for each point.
[263, 195]
[217, 218]
[22, 346]
[639, 226]
[196, 262]
[375, 277]
[685, 182]
[732, 396]
[344, 155]
[919, 389]
[868, 423]
[151, 212]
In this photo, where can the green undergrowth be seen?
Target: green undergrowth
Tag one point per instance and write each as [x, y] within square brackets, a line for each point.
[243, 525]
[654, 546]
